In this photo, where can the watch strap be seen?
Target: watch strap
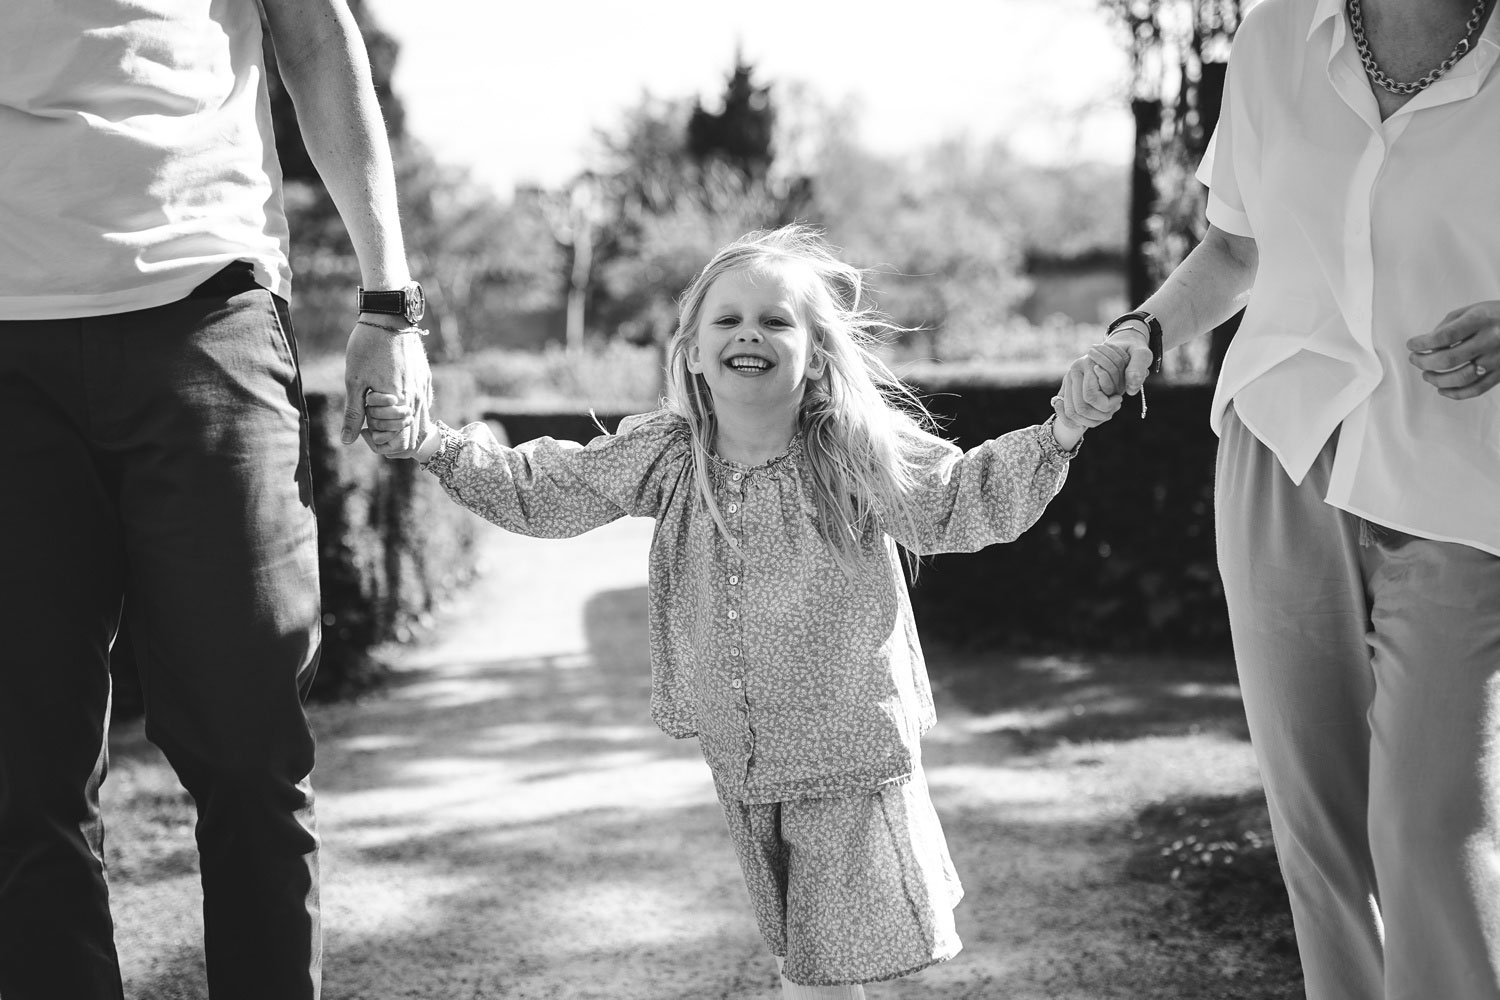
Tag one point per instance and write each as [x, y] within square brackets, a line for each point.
[1153, 333]
[391, 302]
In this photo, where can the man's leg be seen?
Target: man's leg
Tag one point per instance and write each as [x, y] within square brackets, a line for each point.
[60, 586]
[1294, 582]
[222, 600]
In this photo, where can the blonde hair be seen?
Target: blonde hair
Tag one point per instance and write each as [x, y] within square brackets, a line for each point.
[861, 426]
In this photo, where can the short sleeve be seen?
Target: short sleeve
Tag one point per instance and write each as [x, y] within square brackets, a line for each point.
[1230, 165]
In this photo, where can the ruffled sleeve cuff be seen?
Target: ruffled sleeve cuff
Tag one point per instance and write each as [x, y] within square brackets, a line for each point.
[1048, 444]
[440, 462]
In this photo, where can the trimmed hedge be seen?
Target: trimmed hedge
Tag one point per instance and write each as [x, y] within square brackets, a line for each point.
[1123, 558]
[391, 546]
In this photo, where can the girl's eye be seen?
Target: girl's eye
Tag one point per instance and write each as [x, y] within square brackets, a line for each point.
[726, 321]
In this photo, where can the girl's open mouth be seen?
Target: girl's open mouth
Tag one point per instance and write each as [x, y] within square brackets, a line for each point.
[747, 364]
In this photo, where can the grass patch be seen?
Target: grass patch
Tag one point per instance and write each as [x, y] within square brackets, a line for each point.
[1218, 853]
[149, 817]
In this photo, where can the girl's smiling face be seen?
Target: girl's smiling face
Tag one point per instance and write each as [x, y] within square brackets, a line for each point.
[754, 344]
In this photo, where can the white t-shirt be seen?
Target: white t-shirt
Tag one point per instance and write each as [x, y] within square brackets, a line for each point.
[136, 154]
[1369, 233]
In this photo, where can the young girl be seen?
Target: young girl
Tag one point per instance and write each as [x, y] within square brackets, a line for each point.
[786, 460]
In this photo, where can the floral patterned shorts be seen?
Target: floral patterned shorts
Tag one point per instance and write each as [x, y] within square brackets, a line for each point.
[851, 889]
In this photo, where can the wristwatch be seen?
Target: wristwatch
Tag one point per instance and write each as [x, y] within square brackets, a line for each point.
[407, 302]
[1153, 333]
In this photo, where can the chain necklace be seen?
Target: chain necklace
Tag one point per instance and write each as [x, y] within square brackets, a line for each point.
[1357, 24]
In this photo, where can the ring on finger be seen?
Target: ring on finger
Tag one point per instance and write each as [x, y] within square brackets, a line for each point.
[1479, 369]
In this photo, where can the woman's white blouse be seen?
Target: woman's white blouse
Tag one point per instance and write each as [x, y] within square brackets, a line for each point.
[798, 679]
[1369, 233]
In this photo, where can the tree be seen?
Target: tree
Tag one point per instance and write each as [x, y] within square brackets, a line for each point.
[465, 244]
[941, 230]
[462, 243]
[671, 185]
[383, 50]
[739, 135]
[1179, 50]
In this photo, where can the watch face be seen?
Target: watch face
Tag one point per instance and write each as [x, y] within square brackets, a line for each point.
[416, 303]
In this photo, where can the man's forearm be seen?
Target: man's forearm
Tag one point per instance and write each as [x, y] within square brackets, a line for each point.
[322, 61]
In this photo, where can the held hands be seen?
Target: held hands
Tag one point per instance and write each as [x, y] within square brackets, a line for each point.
[1461, 357]
[390, 362]
[1126, 356]
[1096, 384]
[395, 428]
[1086, 399]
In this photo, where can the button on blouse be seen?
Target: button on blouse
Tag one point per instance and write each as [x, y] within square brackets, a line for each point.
[798, 679]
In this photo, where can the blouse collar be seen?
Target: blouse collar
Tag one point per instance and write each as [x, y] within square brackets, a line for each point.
[1325, 10]
[773, 465]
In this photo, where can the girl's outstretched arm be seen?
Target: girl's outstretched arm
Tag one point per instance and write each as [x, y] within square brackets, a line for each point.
[549, 488]
[963, 501]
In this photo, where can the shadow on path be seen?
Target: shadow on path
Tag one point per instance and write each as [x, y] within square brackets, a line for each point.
[504, 820]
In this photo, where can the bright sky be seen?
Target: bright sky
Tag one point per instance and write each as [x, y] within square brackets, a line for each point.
[516, 90]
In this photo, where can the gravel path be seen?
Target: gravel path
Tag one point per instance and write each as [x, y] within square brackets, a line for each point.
[505, 821]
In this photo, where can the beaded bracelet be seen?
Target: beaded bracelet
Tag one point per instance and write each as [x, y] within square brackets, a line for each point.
[392, 329]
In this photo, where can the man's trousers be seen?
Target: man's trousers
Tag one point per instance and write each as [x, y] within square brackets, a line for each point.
[157, 461]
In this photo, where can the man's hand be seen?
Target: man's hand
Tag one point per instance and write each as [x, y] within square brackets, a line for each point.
[1461, 356]
[389, 363]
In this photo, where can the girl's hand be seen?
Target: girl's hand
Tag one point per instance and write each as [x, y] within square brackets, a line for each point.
[1082, 403]
[1461, 356]
[394, 428]
[1065, 433]
[1083, 399]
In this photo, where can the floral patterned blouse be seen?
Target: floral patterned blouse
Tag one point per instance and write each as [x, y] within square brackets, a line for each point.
[798, 679]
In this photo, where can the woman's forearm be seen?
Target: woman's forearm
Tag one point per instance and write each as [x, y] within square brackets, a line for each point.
[1209, 286]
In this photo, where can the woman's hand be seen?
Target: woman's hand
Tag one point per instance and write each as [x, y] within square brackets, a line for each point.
[1126, 356]
[1462, 355]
